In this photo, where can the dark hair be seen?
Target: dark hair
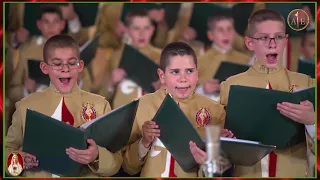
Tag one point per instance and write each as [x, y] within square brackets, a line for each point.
[59, 41]
[261, 16]
[216, 17]
[49, 8]
[304, 36]
[135, 12]
[175, 49]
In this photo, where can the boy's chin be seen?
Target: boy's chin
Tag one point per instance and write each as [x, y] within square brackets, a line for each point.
[64, 88]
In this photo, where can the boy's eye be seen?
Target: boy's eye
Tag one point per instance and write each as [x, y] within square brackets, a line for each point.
[263, 38]
[189, 71]
[279, 36]
[175, 72]
[57, 64]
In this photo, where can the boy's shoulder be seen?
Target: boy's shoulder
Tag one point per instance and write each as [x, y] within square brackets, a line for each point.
[245, 79]
[92, 97]
[154, 50]
[204, 99]
[33, 43]
[240, 54]
[41, 97]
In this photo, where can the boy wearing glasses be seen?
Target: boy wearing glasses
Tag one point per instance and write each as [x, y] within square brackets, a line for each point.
[222, 33]
[64, 101]
[50, 22]
[267, 38]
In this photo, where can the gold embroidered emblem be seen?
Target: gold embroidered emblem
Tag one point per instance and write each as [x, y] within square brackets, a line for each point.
[202, 117]
[293, 88]
[88, 112]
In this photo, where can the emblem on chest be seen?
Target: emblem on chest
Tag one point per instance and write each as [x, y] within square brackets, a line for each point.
[202, 117]
[293, 88]
[88, 112]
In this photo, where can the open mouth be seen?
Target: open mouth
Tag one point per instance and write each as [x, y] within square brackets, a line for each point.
[272, 58]
[226, 42]
[183, 90]
[142, 41]
[65, 81]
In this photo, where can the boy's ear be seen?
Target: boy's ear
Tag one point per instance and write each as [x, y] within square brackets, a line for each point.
[161, 76]
[210, 35]
[248, 42]
[81, 66]
[44, 68]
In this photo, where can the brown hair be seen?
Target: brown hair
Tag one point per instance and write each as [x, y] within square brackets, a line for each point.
[216, 17]
[49, 8]
[261, 16]
[175, 49]
[59, 41]
[135, 12]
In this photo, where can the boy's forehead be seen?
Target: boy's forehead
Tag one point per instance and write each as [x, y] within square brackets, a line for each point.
[50, 15]
[269, 27]
[62, 53]
[181, 62]
[140, 21]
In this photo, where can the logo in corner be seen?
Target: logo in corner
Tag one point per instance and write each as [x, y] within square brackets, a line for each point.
[298, 19]
[15, 164]
[202, 117]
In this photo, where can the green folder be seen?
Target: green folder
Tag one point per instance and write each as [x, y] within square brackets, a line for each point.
[228, 69]
[35, 72]
[48, 138]
[177, 131]
[307, 67]
[139, 68]
[252, 114]
[88, 50]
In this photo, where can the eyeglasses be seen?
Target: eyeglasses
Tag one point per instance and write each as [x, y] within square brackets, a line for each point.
[59, 66]
[265, 41]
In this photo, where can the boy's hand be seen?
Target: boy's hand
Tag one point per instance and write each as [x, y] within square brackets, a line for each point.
[117, 76]
[31, 162]
[84, 156]
[302, 113]
[150, 132]
[68, 12]
[30, 85]
[227, 133]
[211, 86]
[199, 155]
[157, 15]
[189, 34]
[22, 35]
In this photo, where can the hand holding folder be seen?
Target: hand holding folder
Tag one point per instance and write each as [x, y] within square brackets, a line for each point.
[139, 68]
[47, 138]
[252, 114]
[88, 50]
[177, 131]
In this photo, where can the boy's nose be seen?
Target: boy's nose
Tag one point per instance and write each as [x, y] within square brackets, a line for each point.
[272, 43]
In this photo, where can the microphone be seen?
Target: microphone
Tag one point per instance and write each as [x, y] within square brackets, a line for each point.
[212, 167]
